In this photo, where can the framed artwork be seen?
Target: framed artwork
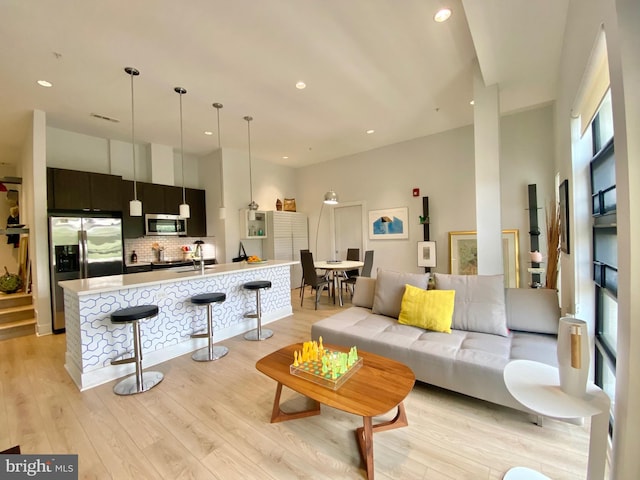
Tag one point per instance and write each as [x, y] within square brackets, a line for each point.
[463, 255]
[389, 224]
[563, 194]
[426, 254]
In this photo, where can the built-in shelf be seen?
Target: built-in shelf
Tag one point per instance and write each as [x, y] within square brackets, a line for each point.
[14, 231]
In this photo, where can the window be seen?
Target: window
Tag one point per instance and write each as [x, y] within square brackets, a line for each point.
[605, 249]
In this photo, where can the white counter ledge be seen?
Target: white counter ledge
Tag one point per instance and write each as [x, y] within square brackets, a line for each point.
[93, 341]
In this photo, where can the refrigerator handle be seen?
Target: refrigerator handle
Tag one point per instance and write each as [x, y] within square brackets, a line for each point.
[84, 263]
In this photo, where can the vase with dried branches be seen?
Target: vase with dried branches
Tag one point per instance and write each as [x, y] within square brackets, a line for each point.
[553, 245]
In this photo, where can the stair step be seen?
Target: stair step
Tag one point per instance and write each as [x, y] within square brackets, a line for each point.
[12, 314]
[8, 300]
[17, 328]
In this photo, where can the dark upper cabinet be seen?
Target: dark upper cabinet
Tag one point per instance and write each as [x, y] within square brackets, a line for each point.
[172, 199]
[75, 190]
[152, 197]
[197, 223]
[71, 190]
[132, 227]
[105, 192]
[160, 198]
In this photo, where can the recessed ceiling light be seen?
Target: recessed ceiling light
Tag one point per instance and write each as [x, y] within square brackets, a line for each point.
[44, 83]
[442, 15]
[208, 133]
[370, 131]
[301, 85]
[472, 102]
[285, 157]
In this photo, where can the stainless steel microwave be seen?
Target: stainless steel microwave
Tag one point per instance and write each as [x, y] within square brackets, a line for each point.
[160, 224]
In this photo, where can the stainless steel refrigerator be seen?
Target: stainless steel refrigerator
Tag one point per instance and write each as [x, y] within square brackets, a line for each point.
[81, 247]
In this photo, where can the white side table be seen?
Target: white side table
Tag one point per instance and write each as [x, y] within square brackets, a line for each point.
[537, 387]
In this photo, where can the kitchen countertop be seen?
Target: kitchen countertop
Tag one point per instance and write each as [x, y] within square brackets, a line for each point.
[87, 286]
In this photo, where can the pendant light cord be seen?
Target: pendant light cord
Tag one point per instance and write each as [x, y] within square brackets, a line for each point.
[248, 119]
[132, 73]
[218, 106]
[182, 146]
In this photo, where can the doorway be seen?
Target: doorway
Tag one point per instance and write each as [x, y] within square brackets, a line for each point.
[347, 222]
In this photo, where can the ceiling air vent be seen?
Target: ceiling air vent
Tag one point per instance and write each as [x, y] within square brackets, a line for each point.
[103, 117]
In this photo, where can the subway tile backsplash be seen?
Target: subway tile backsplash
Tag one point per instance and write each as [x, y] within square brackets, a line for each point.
[172, 247]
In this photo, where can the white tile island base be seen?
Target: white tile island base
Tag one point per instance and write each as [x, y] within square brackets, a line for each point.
[93, 341]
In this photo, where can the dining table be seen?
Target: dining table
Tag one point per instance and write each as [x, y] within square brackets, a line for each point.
[337, 269]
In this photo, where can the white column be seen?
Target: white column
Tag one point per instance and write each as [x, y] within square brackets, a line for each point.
[486, 120]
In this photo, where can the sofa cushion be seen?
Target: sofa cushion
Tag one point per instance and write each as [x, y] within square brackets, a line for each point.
[428, 309]
[533, 310]
[479, 302]
[390, 288]
[364, 290]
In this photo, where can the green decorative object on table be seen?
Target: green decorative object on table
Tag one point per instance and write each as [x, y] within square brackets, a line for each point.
[10, 282]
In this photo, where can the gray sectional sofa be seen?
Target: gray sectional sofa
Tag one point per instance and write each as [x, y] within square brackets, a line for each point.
[491, 326]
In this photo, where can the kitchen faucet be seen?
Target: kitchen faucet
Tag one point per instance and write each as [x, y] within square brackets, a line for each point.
[199, 254]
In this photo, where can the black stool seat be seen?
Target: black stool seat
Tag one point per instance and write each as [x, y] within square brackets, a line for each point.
[205, 298]
[257, 285]
[131, 314]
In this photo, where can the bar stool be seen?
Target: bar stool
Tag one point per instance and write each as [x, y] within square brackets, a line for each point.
[140, 381]
[259, 333]
[210, 352]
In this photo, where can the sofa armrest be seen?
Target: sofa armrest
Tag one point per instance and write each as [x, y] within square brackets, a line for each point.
[532, 310]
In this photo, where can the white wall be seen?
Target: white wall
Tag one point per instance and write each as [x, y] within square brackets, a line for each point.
[527, 157]
[442, 166]
[270, 182]
[76, 151]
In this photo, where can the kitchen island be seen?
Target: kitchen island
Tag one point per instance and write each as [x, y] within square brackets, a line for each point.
[93, 341]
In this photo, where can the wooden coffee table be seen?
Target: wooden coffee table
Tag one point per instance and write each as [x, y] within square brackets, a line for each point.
[380, 385]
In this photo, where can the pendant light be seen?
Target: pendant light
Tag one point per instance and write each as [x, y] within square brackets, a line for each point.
[221, 210]
[184, 208]
[135, 205]
[253, 206]
[330, 198]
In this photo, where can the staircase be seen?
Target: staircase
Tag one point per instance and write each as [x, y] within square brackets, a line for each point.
[16, 315]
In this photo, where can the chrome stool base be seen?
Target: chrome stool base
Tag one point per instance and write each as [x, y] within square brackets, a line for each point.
[253, 335]
[202, 355]
[129, 386]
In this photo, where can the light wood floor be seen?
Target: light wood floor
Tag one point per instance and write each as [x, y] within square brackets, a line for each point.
[211, 421]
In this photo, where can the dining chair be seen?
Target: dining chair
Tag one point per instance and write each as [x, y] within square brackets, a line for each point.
[354, 255]
[311, 278]
[302, 280]
[366, 272]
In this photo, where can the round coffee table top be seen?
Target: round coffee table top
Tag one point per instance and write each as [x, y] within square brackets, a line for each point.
[377, 387]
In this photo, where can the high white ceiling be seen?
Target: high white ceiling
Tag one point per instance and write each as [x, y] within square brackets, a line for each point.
[368, 64]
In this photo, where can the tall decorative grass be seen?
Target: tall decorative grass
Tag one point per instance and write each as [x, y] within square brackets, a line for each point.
[553, 245]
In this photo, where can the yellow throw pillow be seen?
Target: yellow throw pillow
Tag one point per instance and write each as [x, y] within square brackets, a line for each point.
[428, 309]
